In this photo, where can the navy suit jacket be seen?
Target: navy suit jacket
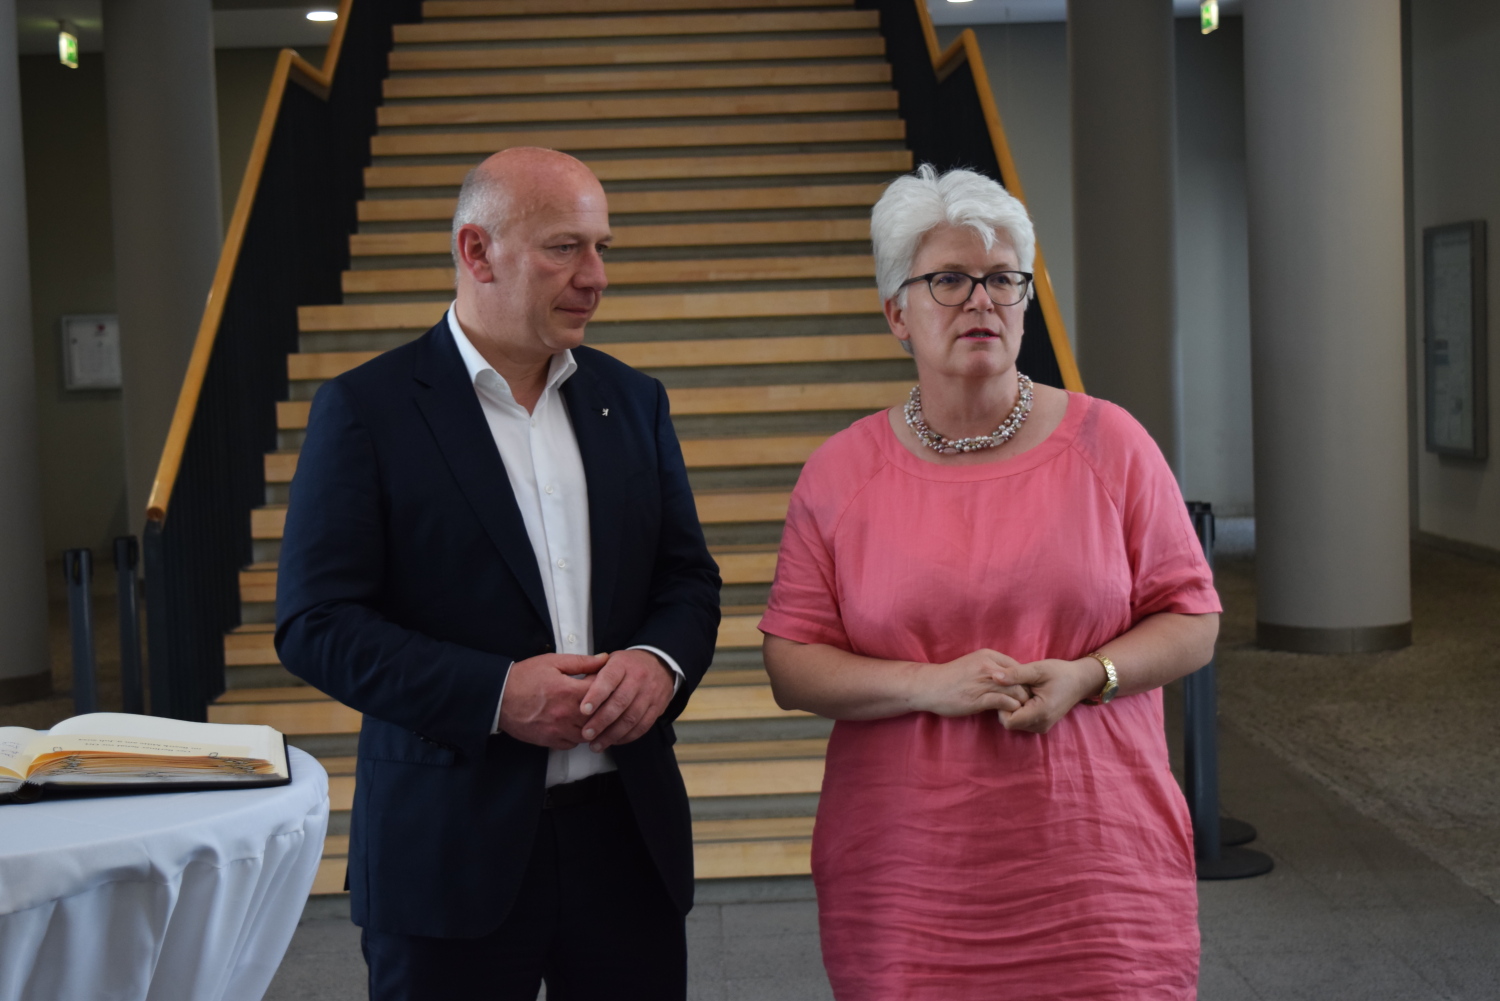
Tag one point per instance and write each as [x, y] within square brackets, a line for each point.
[407, 587]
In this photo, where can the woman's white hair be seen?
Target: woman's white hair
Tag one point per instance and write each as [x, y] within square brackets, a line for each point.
[917, 203]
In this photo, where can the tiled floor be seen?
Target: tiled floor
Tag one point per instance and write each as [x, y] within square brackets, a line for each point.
[1350, 912]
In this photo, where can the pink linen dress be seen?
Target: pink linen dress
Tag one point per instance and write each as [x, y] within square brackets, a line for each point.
[954, 859]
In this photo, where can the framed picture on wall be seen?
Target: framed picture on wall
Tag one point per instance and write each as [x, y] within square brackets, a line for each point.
[1455, 317]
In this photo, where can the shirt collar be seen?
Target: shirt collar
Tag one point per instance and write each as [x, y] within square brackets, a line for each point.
[562, 366]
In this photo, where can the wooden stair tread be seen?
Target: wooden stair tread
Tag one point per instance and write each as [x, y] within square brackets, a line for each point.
[752, 750]
[612, 309]
[604, 54]
[608, 108]
[704, 780]
[661, 354]
[687, 22]
[882, 162]
[729, 859]
[580, 138]
[732, 269]
[698, 453]
[682, 234]
[812, 397]
[324, 715]
[617, 81]
[257, 649]
[674, 200]
[522, 8]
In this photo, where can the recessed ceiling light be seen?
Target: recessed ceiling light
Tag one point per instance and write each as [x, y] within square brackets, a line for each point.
[322, 15]
[958, 1]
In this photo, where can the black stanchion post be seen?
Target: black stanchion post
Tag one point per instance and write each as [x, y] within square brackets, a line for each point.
[1213, 835]
[127, 558]
[78, 570]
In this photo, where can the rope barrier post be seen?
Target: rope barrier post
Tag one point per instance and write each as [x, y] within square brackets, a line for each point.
[78, 571]
[127, 559]
[1214, 837]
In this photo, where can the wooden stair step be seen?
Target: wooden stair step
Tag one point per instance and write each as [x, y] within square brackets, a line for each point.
[612, 309]
[752, 750]
[523, 8]
[730, 269]
[609, 108]
[681, 234]
[799, 196]
[313, 365]
[739, 676]
[688, 22]
[704, 780]
[291, 415]
[642, 53]
[784, 777]
[699, 453]
[326, 716]
[618, 81]
[753, 829]
[291, 718]
[579, 139]
[885, 162]
[243, 648]
[736, 568]
[711, 860]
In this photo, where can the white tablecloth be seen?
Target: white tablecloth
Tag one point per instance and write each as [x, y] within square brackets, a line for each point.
[188, 896]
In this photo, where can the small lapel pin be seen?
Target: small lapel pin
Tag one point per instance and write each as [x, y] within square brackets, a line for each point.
[604, 412]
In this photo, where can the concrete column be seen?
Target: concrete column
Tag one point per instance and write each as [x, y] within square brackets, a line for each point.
[1120, 69]
[164, 192]
[1327, 279]
[25, 670]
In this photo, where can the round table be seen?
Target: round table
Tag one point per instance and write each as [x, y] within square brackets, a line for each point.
[158, 897]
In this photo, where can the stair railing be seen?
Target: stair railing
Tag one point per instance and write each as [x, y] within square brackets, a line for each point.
[286, 245]
[952, 121]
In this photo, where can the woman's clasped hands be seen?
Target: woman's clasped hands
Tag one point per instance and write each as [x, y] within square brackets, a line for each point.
[1030, 697]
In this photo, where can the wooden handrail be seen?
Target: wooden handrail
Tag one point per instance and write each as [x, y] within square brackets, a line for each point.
[319, 80]
[965, 49]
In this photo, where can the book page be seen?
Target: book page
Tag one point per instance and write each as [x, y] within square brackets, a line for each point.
[13, 755]
[226, 739]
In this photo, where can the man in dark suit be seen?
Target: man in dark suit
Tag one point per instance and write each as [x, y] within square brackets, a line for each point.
[474, 515]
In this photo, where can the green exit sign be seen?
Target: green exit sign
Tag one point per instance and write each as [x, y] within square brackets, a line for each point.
[1208, 15]
[67, 48]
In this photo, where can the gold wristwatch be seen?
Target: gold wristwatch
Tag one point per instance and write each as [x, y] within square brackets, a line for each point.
[1111, 682]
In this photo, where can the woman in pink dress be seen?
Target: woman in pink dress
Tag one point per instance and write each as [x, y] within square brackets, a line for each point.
[987, 590]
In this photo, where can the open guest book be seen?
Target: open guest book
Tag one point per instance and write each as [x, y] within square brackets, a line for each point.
[111, 753]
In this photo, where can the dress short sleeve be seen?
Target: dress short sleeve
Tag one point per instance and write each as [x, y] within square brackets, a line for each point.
[804, 602]
[1168, 569]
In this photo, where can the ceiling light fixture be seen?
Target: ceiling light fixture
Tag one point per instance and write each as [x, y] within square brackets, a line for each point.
[67, 45]
[322, 15]
[1208, 15]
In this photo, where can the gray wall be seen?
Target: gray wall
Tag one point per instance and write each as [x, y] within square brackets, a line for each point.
[1455, 107]
[1213, 297]
[1028, 69]
[72, 271]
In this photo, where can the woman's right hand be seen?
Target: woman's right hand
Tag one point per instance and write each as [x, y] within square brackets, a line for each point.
[971, 684]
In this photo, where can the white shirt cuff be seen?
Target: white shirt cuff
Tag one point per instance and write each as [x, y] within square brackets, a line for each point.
[666, 658]
[501, 700]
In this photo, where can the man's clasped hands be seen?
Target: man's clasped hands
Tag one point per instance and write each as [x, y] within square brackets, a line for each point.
[561, 700]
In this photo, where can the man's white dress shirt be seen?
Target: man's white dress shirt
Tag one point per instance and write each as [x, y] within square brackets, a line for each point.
[546, 474]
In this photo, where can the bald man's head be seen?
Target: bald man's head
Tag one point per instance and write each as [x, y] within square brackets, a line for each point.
[518, 181]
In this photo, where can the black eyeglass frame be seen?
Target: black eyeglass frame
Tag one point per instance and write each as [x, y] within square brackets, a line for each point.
[973, 283]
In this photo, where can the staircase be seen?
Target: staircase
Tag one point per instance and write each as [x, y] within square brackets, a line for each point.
[742, 143]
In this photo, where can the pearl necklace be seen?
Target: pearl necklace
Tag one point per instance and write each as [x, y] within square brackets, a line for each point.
[1004, 433]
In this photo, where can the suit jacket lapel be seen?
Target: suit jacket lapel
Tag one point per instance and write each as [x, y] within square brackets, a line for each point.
[446, 397]
[600, 444]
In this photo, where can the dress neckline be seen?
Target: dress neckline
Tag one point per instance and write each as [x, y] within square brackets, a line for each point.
[1055, 443]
